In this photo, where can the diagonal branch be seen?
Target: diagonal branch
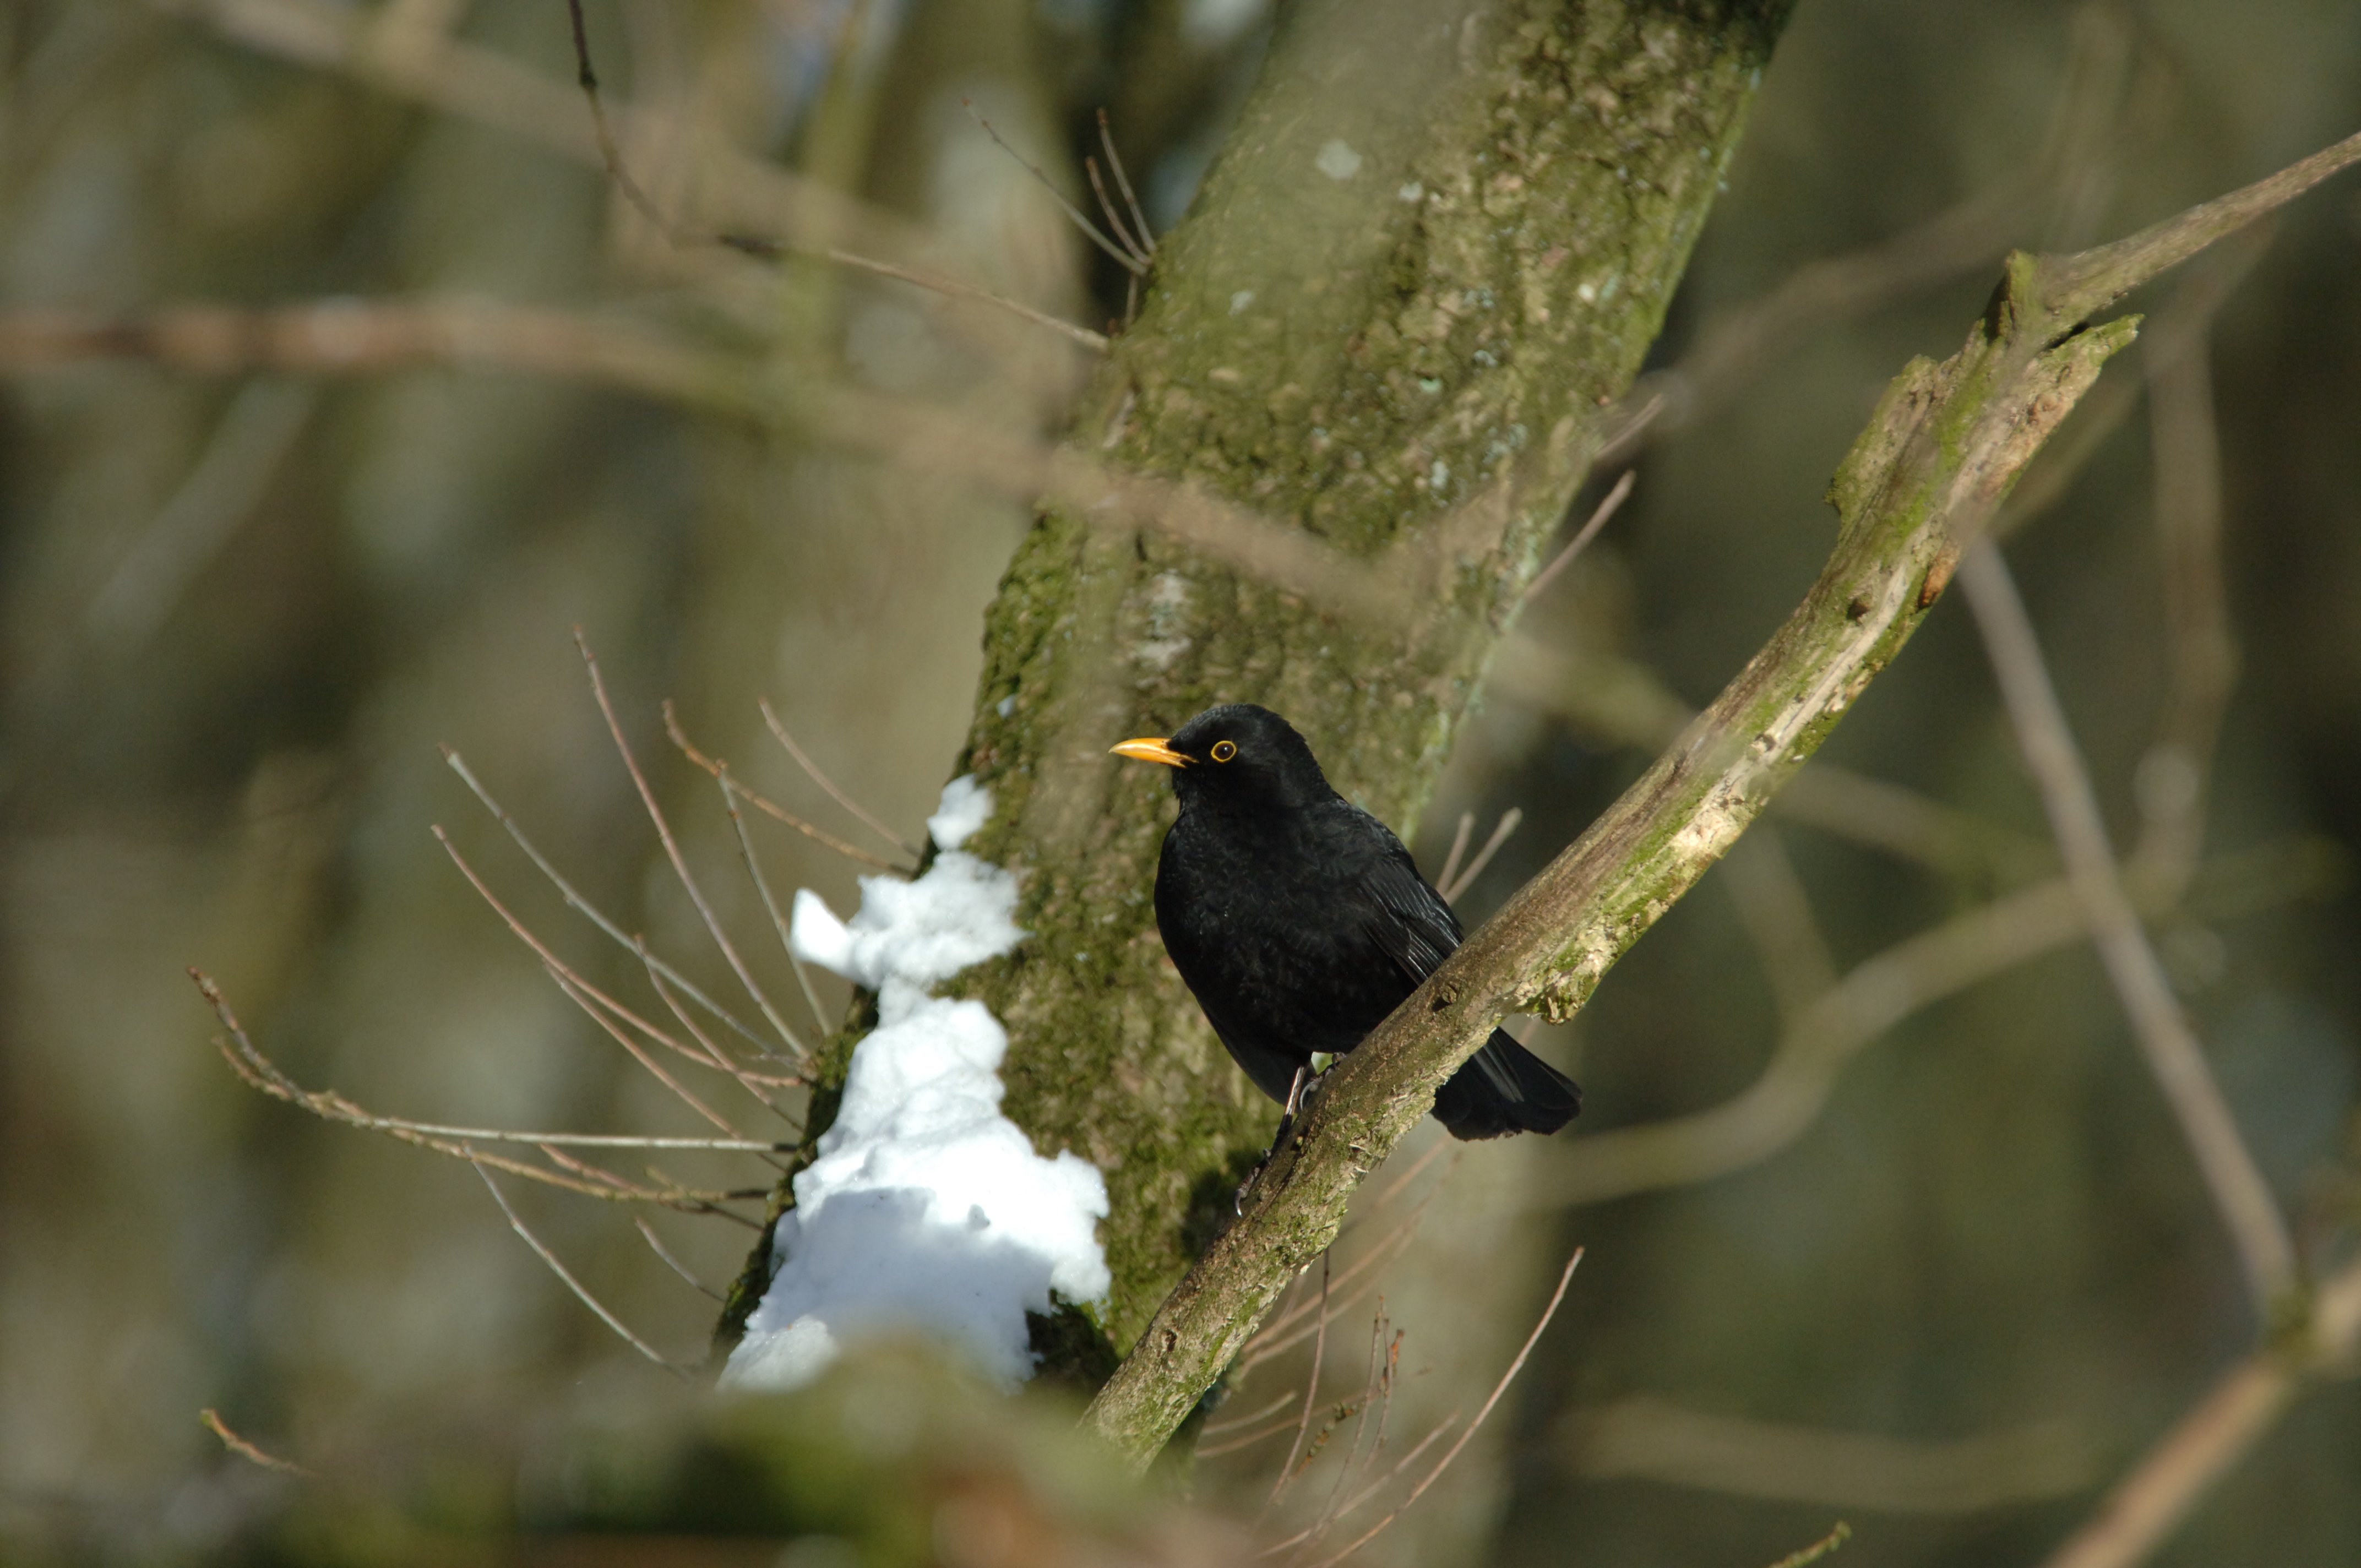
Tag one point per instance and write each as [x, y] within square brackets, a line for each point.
[1938, 455]
[2138, 974]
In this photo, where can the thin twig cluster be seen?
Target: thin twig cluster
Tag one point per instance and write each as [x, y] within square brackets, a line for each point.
[764, 1062]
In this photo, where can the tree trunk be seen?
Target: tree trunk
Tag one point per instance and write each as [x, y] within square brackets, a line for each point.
[1435, 248]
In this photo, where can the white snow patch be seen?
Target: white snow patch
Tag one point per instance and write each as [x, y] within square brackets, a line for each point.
[966, 808]
[1210, 24]
[1337, 159]
[927, 1210]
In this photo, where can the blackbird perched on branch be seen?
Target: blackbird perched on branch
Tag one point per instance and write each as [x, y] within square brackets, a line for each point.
[1300, 921]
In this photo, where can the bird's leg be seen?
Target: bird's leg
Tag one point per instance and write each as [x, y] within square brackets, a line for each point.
[1286, 1126]
[1294, 1103]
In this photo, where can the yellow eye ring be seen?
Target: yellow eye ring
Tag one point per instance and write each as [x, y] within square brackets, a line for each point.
[1224, 751]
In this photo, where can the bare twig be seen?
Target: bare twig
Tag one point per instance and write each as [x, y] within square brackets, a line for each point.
[1388, 1479]
[612, 156]
[1213, 1429]
[576, 987]
[589, 910]
[779, 731]
[490, 88]
[716, 1057]
[2087, 126]
[581, 1294]
[483, 85]
[1123, 258]
[1311, 1394]
[609, 153]
[1733, 347]
[1375, 1386]
[1436, 1151]
[212, 1421]
[1291, 1424]
[763, 886]
[1459, 849]
[1282, 1334]
[1392, 1376]
[1563, 1279]
[1454, 891]
[2172, 777]
[1274, 1337]
[819, 836]
[253, 438]
[1123, 181]
[1607, 507]
[2158, 1022]
[1643, 1438]
[1114, 217]
[655, 1068]
[2079, 286]
[934, 281]
[1619, 701]
[261, 1072]
[672, 851]
[375, 1123]
[656, 1244]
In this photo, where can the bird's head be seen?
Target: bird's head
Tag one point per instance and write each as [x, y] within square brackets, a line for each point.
[1237, 754]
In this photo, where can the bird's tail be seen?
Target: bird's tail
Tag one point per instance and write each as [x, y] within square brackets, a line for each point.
[1503, 1089]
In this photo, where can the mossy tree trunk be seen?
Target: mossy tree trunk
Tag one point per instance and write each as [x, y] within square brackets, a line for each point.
[1434, 251]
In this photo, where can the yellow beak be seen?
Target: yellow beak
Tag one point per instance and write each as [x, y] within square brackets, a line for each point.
[1152, 749]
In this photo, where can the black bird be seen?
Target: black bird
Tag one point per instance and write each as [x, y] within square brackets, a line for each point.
[1300, 921]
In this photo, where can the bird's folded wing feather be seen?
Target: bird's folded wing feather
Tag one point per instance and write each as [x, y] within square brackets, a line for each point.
[1408, 919]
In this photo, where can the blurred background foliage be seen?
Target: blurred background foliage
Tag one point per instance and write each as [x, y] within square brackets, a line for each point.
[251, 581]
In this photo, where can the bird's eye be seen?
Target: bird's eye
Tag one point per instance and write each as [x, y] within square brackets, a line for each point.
[1224, 751]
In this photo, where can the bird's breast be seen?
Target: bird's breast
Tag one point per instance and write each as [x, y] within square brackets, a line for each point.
[1269, 936]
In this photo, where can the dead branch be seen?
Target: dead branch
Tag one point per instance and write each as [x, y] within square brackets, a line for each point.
[718, 769]
[2239, 1189]
[1607, 507]
[581, 1293]
[572, 982]
[1468, 1432]
[811, 770]
[261, 1073]
[679, 861]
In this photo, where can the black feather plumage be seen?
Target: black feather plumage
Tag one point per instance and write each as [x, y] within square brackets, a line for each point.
[1300, 921]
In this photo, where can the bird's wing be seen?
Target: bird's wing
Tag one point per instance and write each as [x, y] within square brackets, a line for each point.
[1408, 920]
